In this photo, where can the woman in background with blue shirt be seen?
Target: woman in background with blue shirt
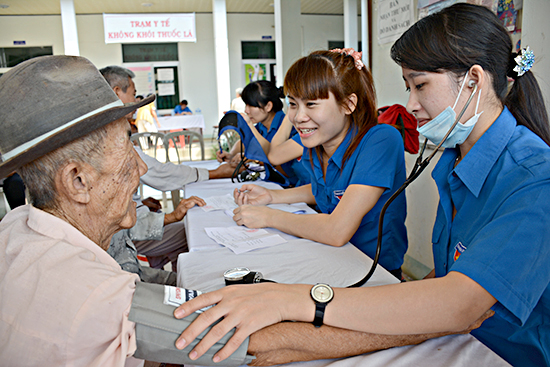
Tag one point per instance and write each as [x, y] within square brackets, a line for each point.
[264, 112]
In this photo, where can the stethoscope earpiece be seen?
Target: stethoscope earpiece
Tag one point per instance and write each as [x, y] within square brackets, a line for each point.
[471, 83]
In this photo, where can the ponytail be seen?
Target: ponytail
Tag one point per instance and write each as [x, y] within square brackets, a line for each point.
[526, 103]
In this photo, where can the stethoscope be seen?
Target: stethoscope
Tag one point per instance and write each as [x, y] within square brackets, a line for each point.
[419, 166]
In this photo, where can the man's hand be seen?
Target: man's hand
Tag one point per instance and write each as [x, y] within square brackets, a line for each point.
[297, 341]
[225, 170]
[182, 208]
[153, 204]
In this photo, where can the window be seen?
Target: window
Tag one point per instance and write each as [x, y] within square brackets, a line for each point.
[258, 50]
[11, 56]
[149, 52]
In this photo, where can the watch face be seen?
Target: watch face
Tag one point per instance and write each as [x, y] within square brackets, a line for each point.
[322, 293]
[236, 273]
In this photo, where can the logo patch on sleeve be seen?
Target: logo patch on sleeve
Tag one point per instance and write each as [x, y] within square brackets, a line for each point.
[338, 194]
[459, 249]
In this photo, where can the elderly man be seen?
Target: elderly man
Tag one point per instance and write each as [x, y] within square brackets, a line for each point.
[63, 299]
[161, 176]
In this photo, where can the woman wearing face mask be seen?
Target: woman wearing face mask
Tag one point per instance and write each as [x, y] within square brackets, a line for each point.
[491, 238]
[264, 112]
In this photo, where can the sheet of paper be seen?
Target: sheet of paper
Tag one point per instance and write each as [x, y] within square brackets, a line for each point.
[224, 202]
[242, 239]
[287, 208]
[166, 89]
[165, 74]
[284, 207]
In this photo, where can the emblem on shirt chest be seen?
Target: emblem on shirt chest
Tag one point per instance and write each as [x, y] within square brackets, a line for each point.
[338, 194]
[459, 249]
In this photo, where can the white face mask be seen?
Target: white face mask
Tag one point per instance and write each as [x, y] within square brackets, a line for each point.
[437, 128]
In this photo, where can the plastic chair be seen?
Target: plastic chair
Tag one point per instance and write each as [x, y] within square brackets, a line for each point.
[144, 138]
[192, 138]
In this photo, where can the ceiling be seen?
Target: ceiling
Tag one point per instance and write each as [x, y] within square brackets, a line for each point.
[41, 7]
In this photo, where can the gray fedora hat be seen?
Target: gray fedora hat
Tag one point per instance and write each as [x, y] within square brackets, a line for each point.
[50, 101]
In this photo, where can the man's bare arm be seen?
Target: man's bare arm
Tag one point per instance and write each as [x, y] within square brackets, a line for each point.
[297, 341]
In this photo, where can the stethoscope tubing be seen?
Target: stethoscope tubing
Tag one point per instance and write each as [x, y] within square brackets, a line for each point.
[419, 166]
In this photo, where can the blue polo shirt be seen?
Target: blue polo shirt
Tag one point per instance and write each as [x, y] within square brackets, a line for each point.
[500, 236]
[294, 169]
[275, 123]
[178, 109]
[378, 160]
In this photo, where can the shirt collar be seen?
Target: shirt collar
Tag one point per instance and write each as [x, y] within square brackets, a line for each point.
[56, 228]
[338, 156]
[476, 165]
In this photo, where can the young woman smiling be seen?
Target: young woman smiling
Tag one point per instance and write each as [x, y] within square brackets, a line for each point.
[354, 164]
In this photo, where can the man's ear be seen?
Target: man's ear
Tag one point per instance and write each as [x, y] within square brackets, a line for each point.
[75, 182]
[351, 104]
[118, 91]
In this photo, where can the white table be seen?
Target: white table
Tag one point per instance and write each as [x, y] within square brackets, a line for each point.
[305, 261]
[181, 122]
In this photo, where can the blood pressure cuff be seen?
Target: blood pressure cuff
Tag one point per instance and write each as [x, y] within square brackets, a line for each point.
[157, 331]
[233, 120]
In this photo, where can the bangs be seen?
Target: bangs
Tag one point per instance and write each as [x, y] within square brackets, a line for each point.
[311, 78]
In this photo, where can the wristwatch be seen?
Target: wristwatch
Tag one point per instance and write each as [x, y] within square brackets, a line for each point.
[321, 294]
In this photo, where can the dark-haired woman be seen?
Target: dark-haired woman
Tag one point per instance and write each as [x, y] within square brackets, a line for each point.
[264, 112]
[491, 238]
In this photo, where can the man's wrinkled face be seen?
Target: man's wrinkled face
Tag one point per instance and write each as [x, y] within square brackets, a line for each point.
[119, 178]
[130, 95]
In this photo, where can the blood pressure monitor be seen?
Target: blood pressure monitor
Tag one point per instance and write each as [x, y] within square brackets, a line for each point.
[242, 276]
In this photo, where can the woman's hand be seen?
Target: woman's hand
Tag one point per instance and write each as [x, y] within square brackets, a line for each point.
[235, 160]
[250, 194]
[253, 216]
[247, 308]
[223, 156]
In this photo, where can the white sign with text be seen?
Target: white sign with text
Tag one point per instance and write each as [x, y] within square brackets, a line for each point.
[394, 18]
[147, 28]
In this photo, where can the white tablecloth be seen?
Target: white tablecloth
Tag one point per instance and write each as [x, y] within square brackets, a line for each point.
[181, 122]
[305, 261]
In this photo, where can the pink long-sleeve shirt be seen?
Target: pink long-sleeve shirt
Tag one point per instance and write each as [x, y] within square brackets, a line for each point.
[63, 300]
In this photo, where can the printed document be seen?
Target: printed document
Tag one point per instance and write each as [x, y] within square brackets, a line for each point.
[242, 239]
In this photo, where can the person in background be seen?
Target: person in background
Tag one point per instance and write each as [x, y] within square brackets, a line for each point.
[182, 108]
[134, 116]
[146, 118]
[14, 190]
[161, 176]
[491, 237]
[237, 104]
[264, 113]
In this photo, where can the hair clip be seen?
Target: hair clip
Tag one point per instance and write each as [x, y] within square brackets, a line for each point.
[524, 61]
[351, 52]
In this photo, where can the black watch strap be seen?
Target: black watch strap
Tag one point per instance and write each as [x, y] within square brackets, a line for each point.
[319, 314]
